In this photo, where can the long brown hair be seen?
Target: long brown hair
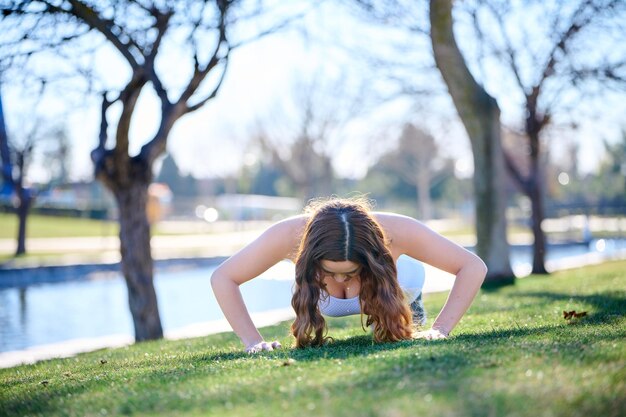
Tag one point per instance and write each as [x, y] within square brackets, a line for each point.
[344, 230]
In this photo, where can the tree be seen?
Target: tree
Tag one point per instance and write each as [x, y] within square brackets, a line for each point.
[430, 29]
[15, 160]
[137, 31]
[545, 72]
[615, 161]
[57, 156]
[181, 186]
[611, 177]
[414, 160]
[299, 140]
[480, 115]
[414, 171]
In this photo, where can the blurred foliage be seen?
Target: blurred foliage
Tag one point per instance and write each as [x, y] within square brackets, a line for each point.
[603, 191]
[181, 185]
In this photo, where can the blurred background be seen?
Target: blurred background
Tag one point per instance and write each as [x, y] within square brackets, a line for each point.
[230, 115]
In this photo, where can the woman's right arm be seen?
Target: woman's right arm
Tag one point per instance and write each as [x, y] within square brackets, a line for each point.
[275, 244]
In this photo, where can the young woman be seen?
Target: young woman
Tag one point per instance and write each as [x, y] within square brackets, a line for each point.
[346, 260]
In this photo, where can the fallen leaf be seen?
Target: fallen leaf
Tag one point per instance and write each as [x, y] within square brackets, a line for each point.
[569, 315]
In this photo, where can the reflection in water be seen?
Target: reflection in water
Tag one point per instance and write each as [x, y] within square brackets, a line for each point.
[50, 313]
[23, 317]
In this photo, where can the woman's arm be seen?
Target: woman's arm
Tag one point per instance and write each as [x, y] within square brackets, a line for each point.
[275, 244]
[420, 242]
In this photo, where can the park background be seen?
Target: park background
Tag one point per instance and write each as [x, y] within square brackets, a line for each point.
[317, 98]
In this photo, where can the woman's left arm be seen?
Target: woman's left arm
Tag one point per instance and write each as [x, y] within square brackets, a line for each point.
[416, 240]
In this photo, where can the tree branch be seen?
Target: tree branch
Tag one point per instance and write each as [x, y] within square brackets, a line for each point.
[161, 25]
[509, 47]
[151, 150]
[128, 97]
[200, 73]
[91, 18]
[99, 153]
[202, 102]
[269, 31]
[562, 44]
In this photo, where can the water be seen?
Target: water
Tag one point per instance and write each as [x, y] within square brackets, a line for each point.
[49, 313]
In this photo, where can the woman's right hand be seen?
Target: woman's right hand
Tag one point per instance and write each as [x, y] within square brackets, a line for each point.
[261, 346]
[432, 334]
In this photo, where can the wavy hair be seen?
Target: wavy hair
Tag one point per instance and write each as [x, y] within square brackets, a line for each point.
[344, 230]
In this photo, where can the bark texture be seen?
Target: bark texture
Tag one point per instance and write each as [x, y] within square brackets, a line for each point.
[137, 265]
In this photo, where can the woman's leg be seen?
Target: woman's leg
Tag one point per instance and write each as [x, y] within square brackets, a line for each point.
[411, 277]
[418, 311]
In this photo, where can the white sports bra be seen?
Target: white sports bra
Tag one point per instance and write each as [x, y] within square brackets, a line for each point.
[410, 277]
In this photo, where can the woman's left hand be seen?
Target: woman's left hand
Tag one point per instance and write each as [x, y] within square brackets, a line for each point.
[260, 347]
[432, 334]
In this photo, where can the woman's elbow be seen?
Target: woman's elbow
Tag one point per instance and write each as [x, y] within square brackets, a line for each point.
[482, 268]
[217, 279]
[477, 266]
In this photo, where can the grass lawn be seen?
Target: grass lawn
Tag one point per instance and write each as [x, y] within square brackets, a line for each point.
[52, 226]
[513, 354]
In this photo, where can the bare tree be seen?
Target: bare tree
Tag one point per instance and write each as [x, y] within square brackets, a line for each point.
[138, 31]
[57, 156]
[16, 157]
[309, 169]
[415, 161]
[479, 112]
[299, 137]
[545, 72]
[481, 117]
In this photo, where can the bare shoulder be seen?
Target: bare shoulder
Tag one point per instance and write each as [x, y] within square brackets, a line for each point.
[405, 234]
[293, 224]
[289, 231]
[415, 239]
[396, 225]
[280, 241]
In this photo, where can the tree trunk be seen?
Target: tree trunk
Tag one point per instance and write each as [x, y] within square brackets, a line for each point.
[536, 197]
[423, 191]
[137, 265]
[25, 200]
[489, 172]
[480, 115]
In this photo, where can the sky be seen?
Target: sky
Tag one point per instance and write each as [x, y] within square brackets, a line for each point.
[258, 88]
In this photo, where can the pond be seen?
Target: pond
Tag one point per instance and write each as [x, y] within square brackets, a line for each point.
[50, 313]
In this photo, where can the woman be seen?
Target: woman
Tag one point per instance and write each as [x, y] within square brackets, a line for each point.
[343, 251]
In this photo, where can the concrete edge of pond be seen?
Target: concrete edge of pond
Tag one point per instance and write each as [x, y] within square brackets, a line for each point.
[47, 274]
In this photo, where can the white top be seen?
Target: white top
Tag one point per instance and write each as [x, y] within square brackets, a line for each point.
[411, 277]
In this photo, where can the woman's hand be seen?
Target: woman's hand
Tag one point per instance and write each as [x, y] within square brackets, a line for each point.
[261, 346]
[432, 334]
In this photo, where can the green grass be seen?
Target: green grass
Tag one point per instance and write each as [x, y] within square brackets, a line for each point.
[52, 226]
[513, 354]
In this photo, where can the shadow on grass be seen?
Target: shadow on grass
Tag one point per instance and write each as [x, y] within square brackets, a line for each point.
[498, 283]
[453, 371]
[444, 369]
[607, 307]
